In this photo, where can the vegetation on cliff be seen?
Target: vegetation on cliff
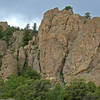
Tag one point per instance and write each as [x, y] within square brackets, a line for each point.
[7, 34]
[30, 86]
[68, 8]
[29, 34]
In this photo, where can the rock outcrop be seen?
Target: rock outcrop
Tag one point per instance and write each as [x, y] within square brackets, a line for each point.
[69, 46]
[17, 39]
[13, 56]
[9, 66]
[4, 25]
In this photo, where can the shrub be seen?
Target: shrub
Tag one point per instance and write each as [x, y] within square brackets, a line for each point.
[1, 32]
[7, 34]
[91, 86]
[29, 86]
[0, 61]
[87, 15]
[57, 93]
[96, 95]
[68, 8]
[26, 37]
[33, 90]
[30, 73]
[1, 86]
[76, 90]
[11, 84]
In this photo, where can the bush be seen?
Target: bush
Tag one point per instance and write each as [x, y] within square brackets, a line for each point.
[30, 73]
[57, 93]
[68, 8]
[22, 82]
[1, 32]
[10, 86]
[76, 90]
[28, 34]
[26, 37]
[7, 34]
[1, 86]
[91, 86]
[29, 86]
[96, 94]
[87, 15]
[33, 90]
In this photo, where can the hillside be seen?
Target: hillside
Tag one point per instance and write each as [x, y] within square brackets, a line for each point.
[67, 46]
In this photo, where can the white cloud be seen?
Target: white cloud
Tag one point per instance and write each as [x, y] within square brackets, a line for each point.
[20, 21]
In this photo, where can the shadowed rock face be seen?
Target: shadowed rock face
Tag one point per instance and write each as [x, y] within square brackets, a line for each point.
[69, 44]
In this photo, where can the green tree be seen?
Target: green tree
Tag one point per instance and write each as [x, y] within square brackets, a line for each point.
[33, 90]
[25, 82]
[87, 15]
[1, 32]
[30, 73]
[57, 93]
[68, 8]
[91, 88]
[27, 27]
[1, 86]
[35, 32]
[8, 34]
[11, 84]
[26, 37]
[35, 27]
[97, 94]
[30, 86]
[76, 90]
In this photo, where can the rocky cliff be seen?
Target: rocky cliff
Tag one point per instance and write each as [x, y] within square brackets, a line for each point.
[67, 47]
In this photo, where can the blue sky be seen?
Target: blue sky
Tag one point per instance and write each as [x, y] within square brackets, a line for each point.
[21, 12]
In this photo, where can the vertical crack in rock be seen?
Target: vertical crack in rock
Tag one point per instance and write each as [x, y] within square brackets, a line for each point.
[61, 71]
[66, 23]
[62, 66]
[39, 61]
[32, 61]
[25, 63]
[17, 58]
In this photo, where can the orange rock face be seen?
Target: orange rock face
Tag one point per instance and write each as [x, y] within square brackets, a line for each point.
[69, 44]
